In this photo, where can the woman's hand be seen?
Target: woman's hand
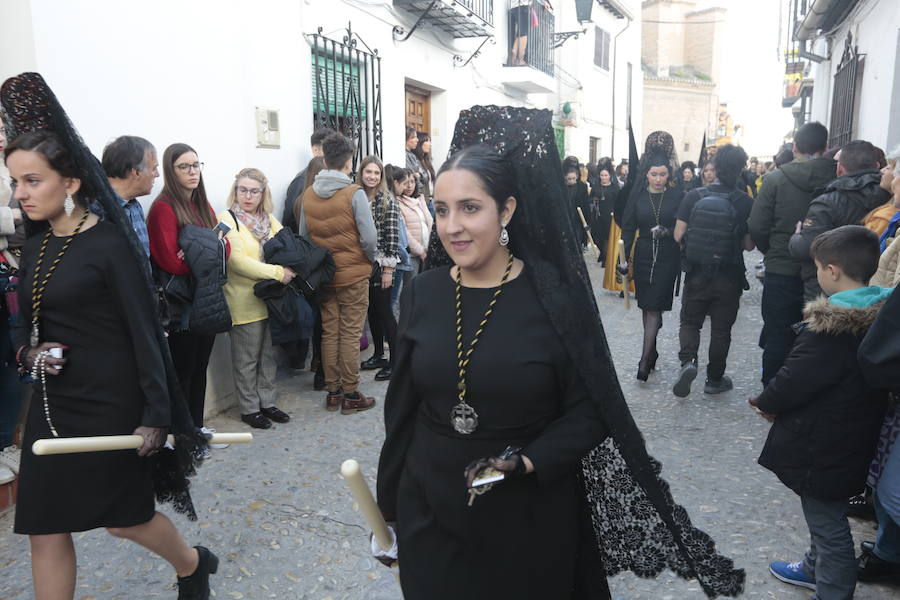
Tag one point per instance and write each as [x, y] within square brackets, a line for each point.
[154, 438]
[53, 366]
[288, 276]
[387, 278]
[510, 463]
[622, 269]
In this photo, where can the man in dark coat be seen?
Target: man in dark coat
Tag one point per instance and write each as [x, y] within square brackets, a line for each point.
[298, 184]
[826, 417]
[782, 201]
[845, 201]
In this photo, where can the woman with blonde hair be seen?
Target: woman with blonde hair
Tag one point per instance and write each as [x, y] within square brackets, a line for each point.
[386, 213]
[249, 214]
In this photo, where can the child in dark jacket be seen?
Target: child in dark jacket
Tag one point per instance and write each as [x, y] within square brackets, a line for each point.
[826, 419]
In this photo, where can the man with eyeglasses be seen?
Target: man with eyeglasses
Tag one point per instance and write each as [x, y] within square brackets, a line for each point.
[131, 166]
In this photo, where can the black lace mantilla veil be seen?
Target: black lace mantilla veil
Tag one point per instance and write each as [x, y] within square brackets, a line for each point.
[28, 104]
[638, 525]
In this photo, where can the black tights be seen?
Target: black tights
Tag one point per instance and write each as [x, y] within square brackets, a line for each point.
[652, 325]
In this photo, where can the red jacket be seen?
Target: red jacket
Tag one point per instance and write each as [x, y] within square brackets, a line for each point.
[162, 225]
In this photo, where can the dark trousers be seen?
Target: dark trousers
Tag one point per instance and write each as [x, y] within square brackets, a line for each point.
[190, 353]
[830, 558]
[782, 307]
[719, 298]
[382, 323]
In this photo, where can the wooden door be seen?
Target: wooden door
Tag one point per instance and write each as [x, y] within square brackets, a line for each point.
[418, 109]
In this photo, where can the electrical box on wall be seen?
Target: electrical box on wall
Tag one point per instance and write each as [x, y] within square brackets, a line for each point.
[268, 134]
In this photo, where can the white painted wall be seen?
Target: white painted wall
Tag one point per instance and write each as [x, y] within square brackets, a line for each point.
[16, 39]
[875, 25]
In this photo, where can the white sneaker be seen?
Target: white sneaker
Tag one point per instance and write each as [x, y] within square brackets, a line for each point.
[6, 475]
[10, 458]
[209, 431]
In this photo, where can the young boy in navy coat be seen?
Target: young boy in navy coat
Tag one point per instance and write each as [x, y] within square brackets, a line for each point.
[826, 419]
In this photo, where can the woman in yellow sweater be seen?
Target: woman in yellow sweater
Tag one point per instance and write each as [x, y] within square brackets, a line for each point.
[253, 358]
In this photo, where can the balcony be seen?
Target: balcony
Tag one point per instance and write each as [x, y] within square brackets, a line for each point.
[530, 27]
[458, 18]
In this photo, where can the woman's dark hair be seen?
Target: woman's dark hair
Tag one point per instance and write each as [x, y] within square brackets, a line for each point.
[337, 149]
[570, 162]
[313, 168]
[853, 248]
[688, 165]
[495, 173]
[410, 131]
[193, 209]
[48, 145]
[730, 162]
[659, 159]
[394, 174]
[424, 158]
[623, 164]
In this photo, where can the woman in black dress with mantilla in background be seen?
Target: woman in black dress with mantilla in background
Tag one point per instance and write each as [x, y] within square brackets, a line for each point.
[656, 256]
[502, 364]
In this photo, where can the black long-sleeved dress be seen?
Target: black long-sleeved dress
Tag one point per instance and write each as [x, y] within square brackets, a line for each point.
[522, 538]
[98, 305]
[654, 272]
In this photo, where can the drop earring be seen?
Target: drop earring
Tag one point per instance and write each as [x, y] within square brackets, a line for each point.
[69, 205]
[504, 236]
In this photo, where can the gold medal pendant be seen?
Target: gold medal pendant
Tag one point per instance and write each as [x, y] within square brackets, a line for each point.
[464, 418]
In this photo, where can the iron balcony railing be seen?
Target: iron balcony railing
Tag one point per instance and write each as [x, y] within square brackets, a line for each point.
[541, 26]
[483, 9]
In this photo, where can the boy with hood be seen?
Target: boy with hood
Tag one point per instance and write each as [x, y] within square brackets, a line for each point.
[783, 200]
[826, 419]
[845, 201]
[335, 215]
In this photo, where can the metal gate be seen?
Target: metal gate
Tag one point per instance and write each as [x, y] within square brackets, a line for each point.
[843, 104]
[346, 87]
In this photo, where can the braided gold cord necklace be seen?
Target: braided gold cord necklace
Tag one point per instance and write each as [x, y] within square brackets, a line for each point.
[37, 286]
[463, 417]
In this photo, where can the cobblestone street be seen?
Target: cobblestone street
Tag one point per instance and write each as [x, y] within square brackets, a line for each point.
[284, 525]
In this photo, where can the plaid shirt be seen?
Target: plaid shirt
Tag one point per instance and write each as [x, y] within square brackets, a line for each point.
[135, 214]
[385, 212]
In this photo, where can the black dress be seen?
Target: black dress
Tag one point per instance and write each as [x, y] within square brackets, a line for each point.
[657, 263]
[98, 305]
[522, 538]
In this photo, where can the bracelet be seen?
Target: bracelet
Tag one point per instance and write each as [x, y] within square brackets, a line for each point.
[19, 354]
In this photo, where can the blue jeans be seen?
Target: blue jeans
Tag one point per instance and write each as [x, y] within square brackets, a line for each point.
[887, 507]
[782, 307]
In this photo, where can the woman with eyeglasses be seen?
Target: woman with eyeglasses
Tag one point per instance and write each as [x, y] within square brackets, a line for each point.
[253, 358]
[182, 202]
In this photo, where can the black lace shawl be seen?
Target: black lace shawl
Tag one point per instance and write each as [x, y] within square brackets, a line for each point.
[28, 105]
[638, 525]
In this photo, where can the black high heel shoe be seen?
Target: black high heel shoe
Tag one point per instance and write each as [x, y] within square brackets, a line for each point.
[643, 371]
[653, 360]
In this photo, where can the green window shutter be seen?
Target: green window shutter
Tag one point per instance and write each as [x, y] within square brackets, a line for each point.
[336, 88]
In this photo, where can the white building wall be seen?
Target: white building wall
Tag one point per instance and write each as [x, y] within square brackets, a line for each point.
[875, 26]
[194, 72]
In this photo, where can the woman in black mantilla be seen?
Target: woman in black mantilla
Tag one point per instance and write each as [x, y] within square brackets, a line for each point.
[502, 363]
[656, 256]
[85, 290]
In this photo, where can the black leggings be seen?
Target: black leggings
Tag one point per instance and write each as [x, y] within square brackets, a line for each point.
[381, 319]
[190, 353]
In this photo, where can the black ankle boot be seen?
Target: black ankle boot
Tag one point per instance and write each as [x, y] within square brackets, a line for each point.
[196, 585]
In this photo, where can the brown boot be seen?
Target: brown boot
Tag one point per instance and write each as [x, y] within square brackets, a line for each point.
[333, 400]
[356, 402]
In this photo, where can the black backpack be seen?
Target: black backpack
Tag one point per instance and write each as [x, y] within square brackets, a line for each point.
[711, 239]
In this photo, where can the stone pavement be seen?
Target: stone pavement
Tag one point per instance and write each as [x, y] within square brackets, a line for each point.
[279, 516]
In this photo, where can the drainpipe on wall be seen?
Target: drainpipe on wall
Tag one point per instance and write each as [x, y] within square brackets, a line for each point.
[612, 150]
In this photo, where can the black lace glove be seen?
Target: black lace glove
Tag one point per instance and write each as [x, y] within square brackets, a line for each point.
[154, 438]
[660, 232]
[509, 463]
[622, 269]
